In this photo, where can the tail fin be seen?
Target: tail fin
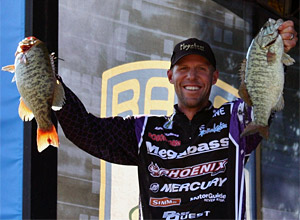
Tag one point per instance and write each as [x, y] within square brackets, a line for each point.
[46, 138]
[253, 128]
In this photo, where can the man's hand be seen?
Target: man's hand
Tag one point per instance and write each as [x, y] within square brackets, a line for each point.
[288, 34]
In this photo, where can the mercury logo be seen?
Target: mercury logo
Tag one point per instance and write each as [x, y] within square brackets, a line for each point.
[154, 187]
[194, 186]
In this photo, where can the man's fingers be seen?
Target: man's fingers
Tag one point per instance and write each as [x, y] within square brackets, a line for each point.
[288, 35]
[289, 44]
[286, 24]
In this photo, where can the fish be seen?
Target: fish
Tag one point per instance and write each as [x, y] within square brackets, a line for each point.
[39, 89]
[262, 77]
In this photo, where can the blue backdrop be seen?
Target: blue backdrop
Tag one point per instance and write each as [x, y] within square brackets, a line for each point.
[11, 128]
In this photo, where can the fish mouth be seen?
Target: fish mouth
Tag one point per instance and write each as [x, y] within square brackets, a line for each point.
[26, 44]
[272, 42]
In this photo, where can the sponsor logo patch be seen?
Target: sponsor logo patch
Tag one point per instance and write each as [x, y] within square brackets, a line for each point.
[220, 112]
[210, 197]
[168, 154]
[168, 125]
[162, 137]
[194, 186]
[164, 202]
[154, 187]
[173, 215]
[212, 168]
[214, 129]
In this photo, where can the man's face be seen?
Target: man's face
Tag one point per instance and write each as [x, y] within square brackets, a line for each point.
[193, 77]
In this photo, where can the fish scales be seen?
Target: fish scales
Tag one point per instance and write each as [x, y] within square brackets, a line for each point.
[263, 77]
[265, 85]
[39, 89]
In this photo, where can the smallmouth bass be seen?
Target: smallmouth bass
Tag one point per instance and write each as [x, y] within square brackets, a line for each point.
[39, 89]
[262, 76]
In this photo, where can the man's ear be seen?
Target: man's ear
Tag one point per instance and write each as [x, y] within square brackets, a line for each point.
[215, 77]
[170, 76]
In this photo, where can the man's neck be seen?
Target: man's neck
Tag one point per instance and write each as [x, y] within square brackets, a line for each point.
[191, 112]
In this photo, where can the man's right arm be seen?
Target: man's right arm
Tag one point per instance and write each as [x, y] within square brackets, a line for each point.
[112, 139]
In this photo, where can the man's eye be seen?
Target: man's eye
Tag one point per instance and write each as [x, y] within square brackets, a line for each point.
[183, 68]
[201, 68]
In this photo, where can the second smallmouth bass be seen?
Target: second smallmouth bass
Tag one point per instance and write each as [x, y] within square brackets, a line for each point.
[263, 76]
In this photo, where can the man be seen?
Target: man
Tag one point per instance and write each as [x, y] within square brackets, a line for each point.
[190, 164]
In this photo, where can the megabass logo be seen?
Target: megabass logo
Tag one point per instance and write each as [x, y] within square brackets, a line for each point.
[190, 150]
[164, 202]
[212, 168]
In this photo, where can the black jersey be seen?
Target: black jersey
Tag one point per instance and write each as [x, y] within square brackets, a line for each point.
[187, 169]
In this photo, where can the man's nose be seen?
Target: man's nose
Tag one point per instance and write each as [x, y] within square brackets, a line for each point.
[192, 74]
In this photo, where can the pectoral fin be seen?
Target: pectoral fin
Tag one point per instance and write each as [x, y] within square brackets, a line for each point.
[25, 113]
[287, 60]
[9, 68]
[271, 57]
[59, 96]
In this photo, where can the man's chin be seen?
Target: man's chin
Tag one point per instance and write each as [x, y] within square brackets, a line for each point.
[195, 104]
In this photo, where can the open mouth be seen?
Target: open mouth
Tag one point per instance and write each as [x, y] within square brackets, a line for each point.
[192, 88]
[272, 42]
[25, 47]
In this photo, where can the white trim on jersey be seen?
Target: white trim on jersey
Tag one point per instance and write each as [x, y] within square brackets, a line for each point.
[142, 134]
[237, 209]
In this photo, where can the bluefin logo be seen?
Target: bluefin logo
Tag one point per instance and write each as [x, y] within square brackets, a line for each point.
[215, 129]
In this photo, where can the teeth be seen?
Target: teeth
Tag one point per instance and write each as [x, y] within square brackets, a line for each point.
[193, 88]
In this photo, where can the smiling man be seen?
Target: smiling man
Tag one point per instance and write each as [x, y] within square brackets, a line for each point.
[190, 163]
[193, 72]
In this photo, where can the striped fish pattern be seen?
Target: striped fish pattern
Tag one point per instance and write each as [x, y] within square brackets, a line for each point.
[262, 75]
[38, 87]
